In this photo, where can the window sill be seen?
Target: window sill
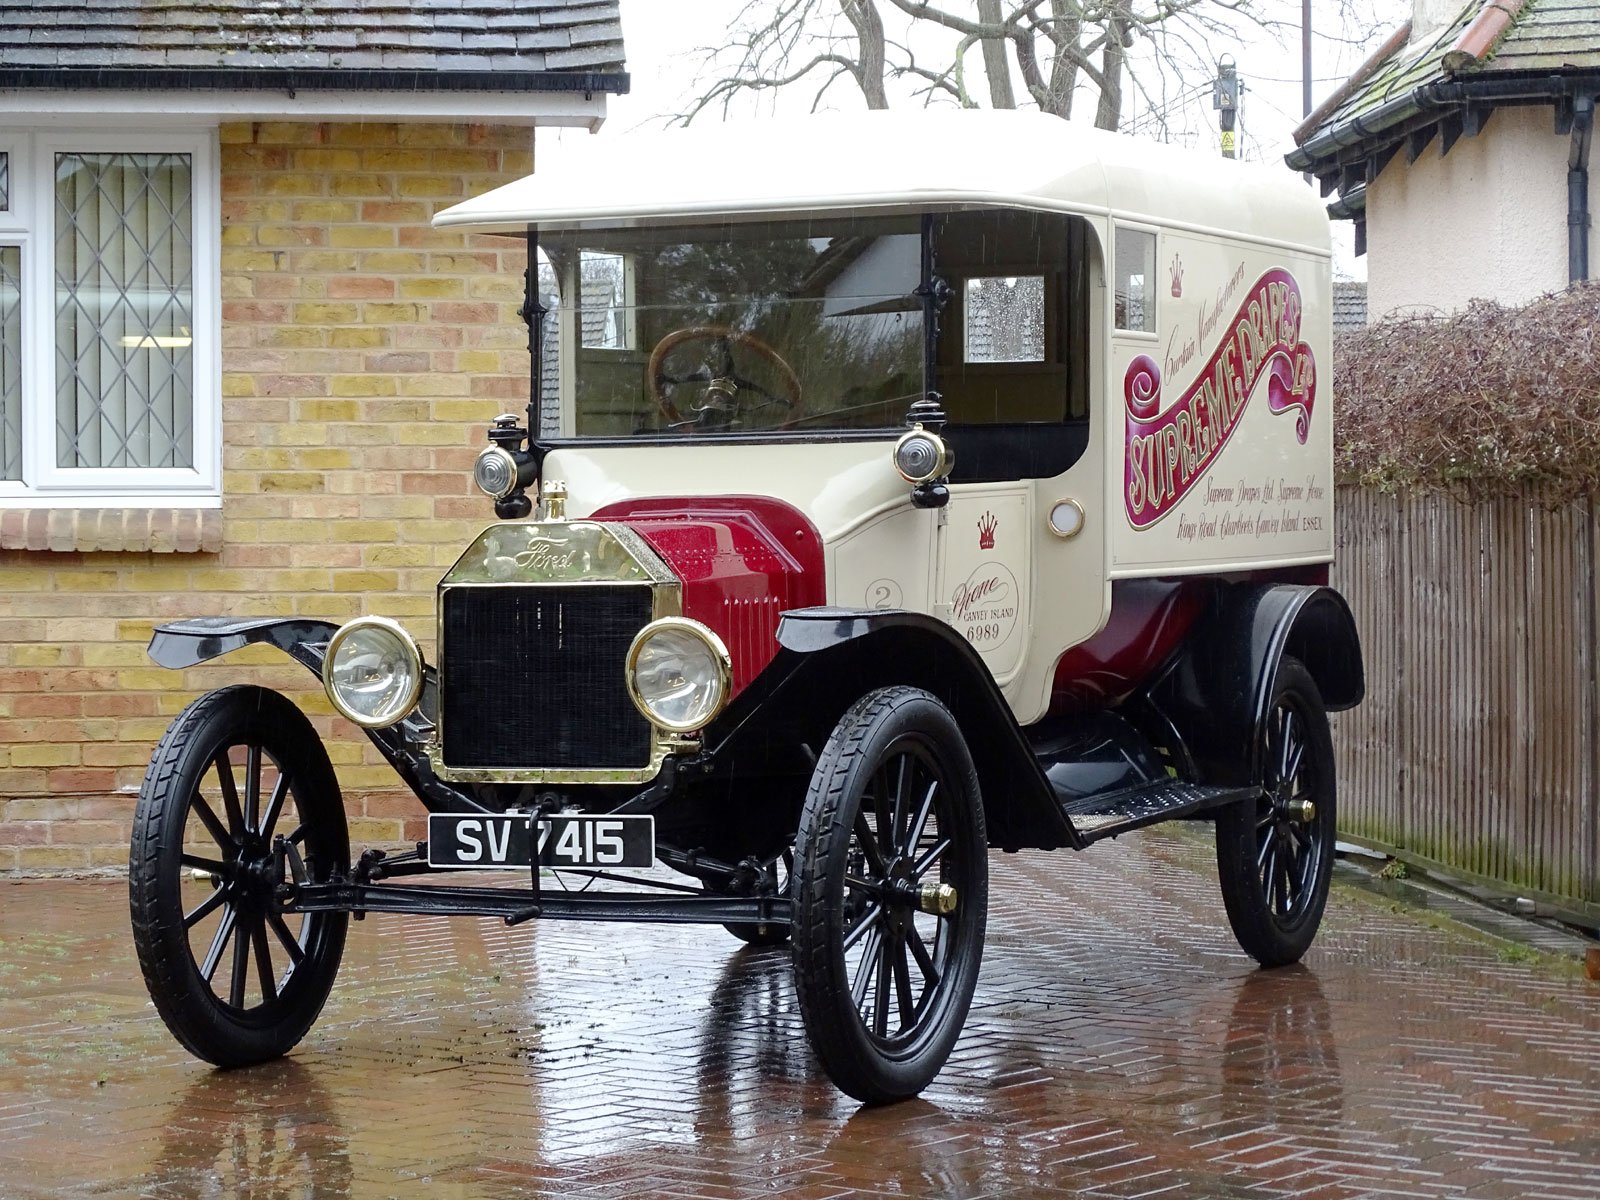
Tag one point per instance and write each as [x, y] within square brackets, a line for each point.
[67, 529]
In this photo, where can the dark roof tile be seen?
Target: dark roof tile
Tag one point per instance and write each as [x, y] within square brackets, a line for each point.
[360, 59]
[544, 39]
[487, 43]
[412, 35]
[409, 60]
[39, 56]
[532, 61]
[511, 20]
[339, 39]
[436, 39]
[464, 21]
[578, 58]
[595, 35]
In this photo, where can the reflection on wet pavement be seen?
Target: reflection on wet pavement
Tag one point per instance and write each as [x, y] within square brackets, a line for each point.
[1119, 1046]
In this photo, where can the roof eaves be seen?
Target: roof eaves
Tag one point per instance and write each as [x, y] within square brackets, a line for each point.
[1350, 205]
[1385, 80]
[312, 78]
[1356, 129]
[1389, 120]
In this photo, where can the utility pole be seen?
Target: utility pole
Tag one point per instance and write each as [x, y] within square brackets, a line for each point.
[1225, 99]
[1305, 58]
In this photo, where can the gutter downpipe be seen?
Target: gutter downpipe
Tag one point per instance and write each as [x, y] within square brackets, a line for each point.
[1578, 189]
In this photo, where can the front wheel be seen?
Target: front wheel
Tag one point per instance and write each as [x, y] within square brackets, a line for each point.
[236, 979]
[891, 895]
[1275, 853]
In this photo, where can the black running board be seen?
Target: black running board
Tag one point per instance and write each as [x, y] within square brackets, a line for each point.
[1099, 817]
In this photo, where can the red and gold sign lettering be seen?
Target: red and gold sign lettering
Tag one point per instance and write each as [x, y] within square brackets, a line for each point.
[1169, 451]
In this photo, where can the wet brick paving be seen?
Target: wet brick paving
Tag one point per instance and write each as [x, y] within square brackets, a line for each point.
[1120, 1046]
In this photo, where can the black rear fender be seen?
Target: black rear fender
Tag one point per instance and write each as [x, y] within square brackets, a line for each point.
[831, 657]
[1218, 690]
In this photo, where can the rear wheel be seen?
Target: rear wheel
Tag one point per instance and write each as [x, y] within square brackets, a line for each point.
[891, 895]
[236, 979]
[1275, 853]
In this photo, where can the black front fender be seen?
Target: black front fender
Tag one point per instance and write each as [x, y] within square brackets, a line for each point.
[180, 644]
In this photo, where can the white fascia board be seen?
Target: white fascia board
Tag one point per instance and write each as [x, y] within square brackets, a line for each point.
[43, 107]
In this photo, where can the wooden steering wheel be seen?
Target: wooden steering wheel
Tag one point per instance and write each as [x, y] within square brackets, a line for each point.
[723, 386]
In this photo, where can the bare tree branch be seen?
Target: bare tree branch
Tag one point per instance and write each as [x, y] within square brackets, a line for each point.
[724, 89]
[1041, 53]
[937, 82]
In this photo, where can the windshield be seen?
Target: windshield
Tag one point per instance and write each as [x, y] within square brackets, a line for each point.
[727, 329]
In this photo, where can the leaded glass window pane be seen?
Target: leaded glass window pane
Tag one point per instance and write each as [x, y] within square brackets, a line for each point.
[124, 310]
[10, 362]
[5, 181]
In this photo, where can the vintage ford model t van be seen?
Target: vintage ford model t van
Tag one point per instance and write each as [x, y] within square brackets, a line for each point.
[893, 490]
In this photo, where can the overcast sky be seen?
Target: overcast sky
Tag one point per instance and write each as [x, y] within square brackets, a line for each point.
[662, 40]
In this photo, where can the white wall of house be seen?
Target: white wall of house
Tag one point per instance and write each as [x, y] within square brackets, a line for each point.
[1488, 220]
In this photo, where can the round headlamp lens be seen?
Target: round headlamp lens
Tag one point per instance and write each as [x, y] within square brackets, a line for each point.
[678, 674]
[373, 672]
[495, 473]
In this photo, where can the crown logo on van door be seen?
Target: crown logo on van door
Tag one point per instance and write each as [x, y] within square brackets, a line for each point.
[986, 528]
[1177, 277]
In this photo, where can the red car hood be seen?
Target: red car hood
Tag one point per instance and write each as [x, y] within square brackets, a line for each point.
[743, 561]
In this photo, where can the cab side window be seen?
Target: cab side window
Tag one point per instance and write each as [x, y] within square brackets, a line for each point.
[1135, 280]
[1012, 359]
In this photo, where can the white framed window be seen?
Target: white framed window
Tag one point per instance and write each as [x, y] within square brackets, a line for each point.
[11, 247]
[1135, 253]
[110, 376]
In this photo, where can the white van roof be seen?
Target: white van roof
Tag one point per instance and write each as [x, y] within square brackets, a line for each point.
[897, 161]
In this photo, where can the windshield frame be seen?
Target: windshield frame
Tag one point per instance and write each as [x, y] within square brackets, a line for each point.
[930, 291]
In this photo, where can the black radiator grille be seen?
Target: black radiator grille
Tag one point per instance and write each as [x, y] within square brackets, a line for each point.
[533, 677]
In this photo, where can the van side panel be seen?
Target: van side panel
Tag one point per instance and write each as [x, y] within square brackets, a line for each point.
[1223, 459]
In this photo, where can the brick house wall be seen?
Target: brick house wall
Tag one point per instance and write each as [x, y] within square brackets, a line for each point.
[363, 354]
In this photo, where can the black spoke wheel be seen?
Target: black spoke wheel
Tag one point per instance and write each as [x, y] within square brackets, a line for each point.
[891, 895]
[1275, 854]
[236, 979]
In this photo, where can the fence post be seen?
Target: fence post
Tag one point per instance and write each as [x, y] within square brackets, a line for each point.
[1590, 551]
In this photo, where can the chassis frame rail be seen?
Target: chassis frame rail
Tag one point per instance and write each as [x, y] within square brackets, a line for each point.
[516, 905]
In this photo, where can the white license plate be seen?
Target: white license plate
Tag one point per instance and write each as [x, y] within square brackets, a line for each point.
[487, 842]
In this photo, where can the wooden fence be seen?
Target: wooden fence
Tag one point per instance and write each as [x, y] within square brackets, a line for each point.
[1478, 746]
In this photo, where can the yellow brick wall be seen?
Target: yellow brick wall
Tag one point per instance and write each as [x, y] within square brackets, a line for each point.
[363, 354]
